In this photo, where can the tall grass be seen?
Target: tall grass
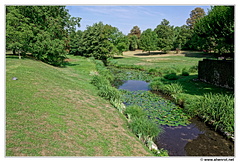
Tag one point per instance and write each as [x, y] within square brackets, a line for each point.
[169, 89]
[144, 128]
[215, 108]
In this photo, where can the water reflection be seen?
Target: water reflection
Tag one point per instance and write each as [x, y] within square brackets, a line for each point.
[135, 85]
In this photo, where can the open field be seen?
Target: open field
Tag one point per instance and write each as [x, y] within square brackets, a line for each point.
[159, 59]
[54, 111]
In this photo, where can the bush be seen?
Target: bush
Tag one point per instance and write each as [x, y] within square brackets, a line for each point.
[134, 111]
[185, 73]
[109, 93]
[155, 72]
[145, 128]
[156, 85]
[172, 76]
[100, 81]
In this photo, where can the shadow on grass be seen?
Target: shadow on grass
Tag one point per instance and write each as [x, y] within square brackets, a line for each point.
[66, 63]
[197, 54]
[151, 53]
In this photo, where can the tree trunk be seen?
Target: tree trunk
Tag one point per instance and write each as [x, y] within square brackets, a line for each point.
[19, 56]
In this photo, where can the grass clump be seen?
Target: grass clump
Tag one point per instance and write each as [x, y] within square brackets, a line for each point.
[171, 76]
[134, 111]
[144, 128]
[215, 108]
[100, 81]
[167, 88]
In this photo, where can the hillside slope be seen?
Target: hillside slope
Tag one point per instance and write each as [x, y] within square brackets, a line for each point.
[54, 111]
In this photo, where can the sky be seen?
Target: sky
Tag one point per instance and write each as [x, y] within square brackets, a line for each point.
[127, 16]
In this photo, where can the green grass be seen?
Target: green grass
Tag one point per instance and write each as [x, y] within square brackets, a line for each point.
[54, 111]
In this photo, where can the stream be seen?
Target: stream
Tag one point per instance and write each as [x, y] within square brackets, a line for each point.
[194, 139]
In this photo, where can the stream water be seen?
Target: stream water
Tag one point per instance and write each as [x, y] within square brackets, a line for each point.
[195, 139]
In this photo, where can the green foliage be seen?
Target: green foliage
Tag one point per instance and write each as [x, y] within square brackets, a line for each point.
[126, 74]
[148, 40]
[141, 126]
[165, 35]
[134, 111]
[172, 76]
[133, 42]
[100, 81]
[185, 72]
[98, 41]
[216, 108]
[40, 30]
[110, 93]
[172, 88]
[217, 28]
[155, 71]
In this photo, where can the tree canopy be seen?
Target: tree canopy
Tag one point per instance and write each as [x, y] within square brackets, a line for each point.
[40, 30]
[218, 28]
[148, 40]
[165, 35]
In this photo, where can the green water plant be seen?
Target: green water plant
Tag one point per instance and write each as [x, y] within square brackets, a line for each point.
[161, 111]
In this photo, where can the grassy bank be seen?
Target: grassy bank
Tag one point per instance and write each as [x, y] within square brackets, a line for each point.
[54, 111]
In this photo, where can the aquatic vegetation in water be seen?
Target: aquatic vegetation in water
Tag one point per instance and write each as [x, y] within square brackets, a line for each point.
[158, 109]
[126, 74]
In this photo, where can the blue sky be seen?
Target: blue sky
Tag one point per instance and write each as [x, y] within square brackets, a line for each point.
[125, 17]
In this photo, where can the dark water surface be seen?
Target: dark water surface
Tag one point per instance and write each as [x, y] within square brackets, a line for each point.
[195, 139]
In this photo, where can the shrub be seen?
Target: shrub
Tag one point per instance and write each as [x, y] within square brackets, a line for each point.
[185, 73]
[193, 69]
[145, 128]
[134, 111]
[156, 85]
[172, 76]
[100, 81]
[155, 72]
[109, 93]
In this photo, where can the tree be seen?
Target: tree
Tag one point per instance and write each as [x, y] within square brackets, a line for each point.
[135, 31]
[98, 41]
[218, 28]
[42, 31]
[165, 35]
[181, 37]
[18, 30]
[195, 15]
[75, 42]
[133, 42]
[148, 40]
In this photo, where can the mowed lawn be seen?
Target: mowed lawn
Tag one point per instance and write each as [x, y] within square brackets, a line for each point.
[156, 59]
[53, 111]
